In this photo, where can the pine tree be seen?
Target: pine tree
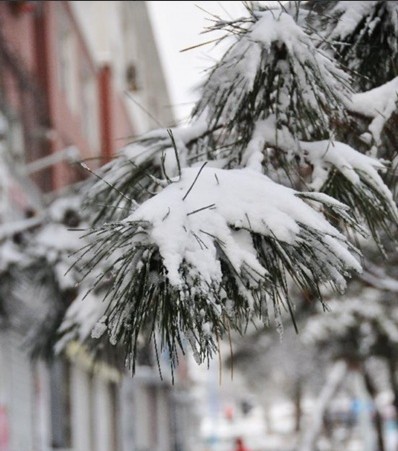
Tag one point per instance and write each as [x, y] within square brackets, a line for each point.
[208, 226]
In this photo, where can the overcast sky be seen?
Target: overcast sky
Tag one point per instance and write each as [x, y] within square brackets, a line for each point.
[177, 25]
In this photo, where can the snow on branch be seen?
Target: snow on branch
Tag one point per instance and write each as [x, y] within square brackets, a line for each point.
[363, 36]
[80, 319]
[211, 251]
[378, 104]
[356, 327]
[273, 68]
[36, 283]
[353, 178]
[141, 169]
[338, 170]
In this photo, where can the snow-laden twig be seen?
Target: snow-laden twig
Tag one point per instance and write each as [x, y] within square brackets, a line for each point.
[332, 384]
[11, 228]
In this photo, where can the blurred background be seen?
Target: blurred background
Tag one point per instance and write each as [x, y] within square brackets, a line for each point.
[78, 81]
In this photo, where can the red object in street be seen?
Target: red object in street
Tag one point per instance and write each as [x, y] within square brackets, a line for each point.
[240, 446]
[229, 413]
[4, 430]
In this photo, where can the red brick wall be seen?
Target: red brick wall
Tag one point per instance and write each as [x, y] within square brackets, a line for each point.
[116, 127]
[67, 124]
[34, 37]
[18, 28]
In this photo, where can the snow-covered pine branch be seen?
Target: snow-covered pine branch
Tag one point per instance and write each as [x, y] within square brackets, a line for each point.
[37, 283]
[380, 106]
[274, 68]
[356, 327]
[80, 319]
[337, 170]
[212, 251]
[363, 36]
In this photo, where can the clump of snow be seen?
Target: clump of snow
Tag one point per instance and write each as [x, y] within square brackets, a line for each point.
[379, 104]
[275, 26]
[100, 327]
[226, 206]
[82, 319]
[253, 155]
[351, 14]
[282, 29]
[324, 155]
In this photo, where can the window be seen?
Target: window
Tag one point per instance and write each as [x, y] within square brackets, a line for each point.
[153, 419]
[61, 429]
[67, 57]
[132, 79]
[115, 415]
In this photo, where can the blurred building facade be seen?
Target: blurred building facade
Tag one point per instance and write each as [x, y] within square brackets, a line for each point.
[77, 81]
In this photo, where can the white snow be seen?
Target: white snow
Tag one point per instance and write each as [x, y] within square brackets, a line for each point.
[185, 226]
[351, 13]
[376, 101]
[82, 318]
[57, 237]
[277, 26]
[253, 155]
[324, 155]
[379, 104]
